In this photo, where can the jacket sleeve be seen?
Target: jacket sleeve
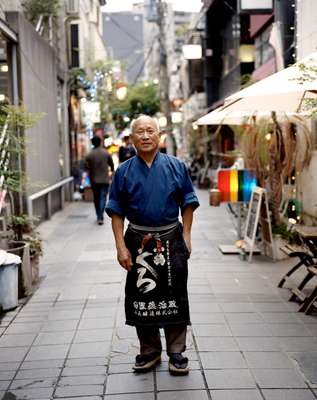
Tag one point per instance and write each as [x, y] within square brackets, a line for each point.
[115, 204]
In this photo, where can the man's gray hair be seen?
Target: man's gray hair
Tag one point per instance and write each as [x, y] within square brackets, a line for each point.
[141, 116]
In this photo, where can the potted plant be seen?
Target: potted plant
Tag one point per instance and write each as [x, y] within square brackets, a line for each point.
[283, 234]
[13, 121]
[19, 226]
[36, 251]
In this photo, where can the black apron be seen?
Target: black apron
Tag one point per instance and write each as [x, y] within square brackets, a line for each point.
[156, 286]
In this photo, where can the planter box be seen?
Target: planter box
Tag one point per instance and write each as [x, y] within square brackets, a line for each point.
[9, 286]
[35, 268]
[22, 249]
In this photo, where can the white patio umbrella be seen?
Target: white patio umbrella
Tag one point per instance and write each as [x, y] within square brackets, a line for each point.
[225, 116]
[283, 91]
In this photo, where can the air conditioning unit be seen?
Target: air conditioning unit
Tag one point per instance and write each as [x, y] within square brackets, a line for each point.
[72, 6]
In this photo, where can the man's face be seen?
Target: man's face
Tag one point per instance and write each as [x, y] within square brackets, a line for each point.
[145, 135]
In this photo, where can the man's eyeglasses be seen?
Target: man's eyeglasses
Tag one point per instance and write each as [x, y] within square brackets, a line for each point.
[141, 132]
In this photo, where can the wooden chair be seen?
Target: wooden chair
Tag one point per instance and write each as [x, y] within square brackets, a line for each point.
[305, 259]
[310, 301]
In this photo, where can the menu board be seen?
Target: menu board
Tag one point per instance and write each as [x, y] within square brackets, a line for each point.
[258, 216]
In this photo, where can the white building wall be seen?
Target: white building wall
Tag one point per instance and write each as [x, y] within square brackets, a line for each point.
[306, 27]
[91, 45]
[306, 41]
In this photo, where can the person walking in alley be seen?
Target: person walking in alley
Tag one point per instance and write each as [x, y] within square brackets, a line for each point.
[98, 162]
[149, 190]
[127, 149]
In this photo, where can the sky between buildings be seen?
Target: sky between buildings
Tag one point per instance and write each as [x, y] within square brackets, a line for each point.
[178, 5]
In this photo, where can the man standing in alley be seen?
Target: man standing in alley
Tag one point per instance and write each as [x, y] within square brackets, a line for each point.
[98, 163]
[150, 190]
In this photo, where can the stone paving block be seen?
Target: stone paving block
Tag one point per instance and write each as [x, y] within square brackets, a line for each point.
[288, 394]
[38, 373]
[279, 379]
[250, 330]
[30, 318]
[247, 318]
[51, 352]
[83, 398]
[277, 317]
[181, 395]
[32, 383]
[9, 366]
[216, 344]
[82, 380]
[58, 315]
[267, 359]
[234, 394]
[312, 328]
[237, 307]
[130, 383]
[84, 350]
[99, 312]
[205, 308]
[273, 307]
[12, 353]
[82, 390]
[6, 375]
[30, 327]
[230, 379]
[222, 360]
[121, 368]
[60, 326]
[88, 370]
[130, 396]
[211, 330]
[286, 329]
[298, 343]
[230, 298]
[30, 394]
[17, 340]
[91, 361]
[96, 323]
[42, 364]
[208, 318]
[192, 381]
[258, 343]
[46, 338]
[307, 319]
[93, 335]
[307, 362]
[4, 385]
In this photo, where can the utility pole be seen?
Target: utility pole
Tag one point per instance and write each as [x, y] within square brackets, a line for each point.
[164, 77]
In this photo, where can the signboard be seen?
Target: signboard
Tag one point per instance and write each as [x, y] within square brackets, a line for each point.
[258, 215]
[90, 112]
[236, 185]
[255, 7]
[151, 10]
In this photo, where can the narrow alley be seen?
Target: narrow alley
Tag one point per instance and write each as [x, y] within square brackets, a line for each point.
[70, 341]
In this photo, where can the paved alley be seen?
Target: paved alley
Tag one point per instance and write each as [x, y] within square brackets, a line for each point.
[69, 341]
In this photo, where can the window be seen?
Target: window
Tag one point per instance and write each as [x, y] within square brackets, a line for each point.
[263, 50]
[74, 45]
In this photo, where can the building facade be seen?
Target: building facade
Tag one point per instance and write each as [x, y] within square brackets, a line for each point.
[124, 38]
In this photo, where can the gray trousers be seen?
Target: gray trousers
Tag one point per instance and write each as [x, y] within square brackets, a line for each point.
[150, 339]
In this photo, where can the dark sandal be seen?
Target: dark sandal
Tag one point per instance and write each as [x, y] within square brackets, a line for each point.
[146, 362]
[178, 365]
